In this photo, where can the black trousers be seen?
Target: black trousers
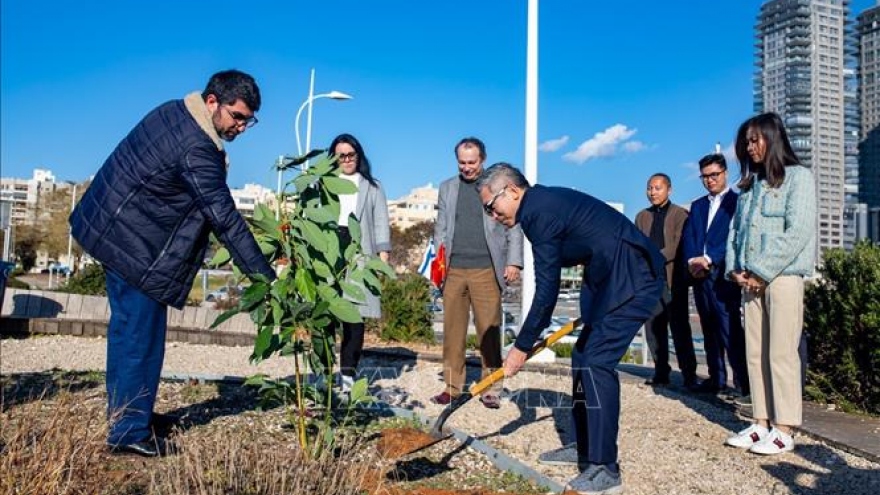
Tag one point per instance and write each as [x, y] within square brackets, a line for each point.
[352, 346]
[675, 316]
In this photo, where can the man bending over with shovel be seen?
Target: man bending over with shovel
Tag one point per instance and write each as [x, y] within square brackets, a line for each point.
[622, 287]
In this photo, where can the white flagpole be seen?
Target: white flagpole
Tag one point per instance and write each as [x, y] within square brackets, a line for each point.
[531, 155]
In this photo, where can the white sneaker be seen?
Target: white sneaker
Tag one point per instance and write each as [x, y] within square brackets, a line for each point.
[748, 437]
[776, 442]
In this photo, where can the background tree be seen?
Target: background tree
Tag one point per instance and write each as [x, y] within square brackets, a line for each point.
[54, 210]
[27, 241]
[408, 246]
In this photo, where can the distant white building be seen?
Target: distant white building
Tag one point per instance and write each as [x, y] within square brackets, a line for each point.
[418, 206]
[24, 194]
[248, 197]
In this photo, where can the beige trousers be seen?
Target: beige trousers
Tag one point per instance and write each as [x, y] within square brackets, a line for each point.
[774, 322]
[467, 289]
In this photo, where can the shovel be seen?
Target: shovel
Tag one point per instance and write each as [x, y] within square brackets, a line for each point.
[477, 388]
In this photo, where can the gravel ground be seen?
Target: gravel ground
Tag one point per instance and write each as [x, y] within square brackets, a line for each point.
[669, 443]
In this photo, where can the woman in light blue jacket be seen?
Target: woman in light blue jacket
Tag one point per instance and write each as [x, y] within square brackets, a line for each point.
[370, 207]
[770, 249]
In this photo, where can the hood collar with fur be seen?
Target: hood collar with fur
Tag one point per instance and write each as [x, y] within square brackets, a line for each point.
[197, 108]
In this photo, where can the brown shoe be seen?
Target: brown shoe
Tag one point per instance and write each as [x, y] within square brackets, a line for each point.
[442, 398]
[490, 400]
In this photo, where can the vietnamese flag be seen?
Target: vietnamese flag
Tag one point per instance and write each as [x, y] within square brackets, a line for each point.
[438, 267]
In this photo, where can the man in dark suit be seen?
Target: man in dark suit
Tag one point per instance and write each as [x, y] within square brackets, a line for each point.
[622, 287]
[704, 242]
[663, 222]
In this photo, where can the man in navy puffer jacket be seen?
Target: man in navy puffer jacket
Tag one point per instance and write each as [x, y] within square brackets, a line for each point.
[146, 217]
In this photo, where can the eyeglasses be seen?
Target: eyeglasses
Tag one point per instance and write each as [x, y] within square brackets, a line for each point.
[489, 207]
[241, 119]
[712, 176]
[344, 157]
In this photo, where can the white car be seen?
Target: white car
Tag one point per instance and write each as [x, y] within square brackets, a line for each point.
[223, 293]
[558, 322]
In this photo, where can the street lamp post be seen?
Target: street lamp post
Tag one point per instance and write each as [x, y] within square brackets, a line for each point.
[333, 95]
[70, 234]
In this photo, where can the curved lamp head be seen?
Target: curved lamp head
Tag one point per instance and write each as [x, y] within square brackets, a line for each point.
[338, 95]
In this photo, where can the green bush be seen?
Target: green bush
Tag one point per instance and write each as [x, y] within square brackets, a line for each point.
[90, 281]
[405, 313]
[562, 350]
[842, 321]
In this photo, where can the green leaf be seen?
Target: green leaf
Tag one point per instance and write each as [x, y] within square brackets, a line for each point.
[339, 186]
[264, 220]
[376, 264]
[255, 380]
[322, 270]
[327, 293]
[305, 285]
[304, 182]
[315, 236]
[268, 249]
[225, 316]
[354, 228]
[221, 257]
[320, 215]
[322, 166]
[254, 295]
[360, 393]
[372, 282]
[345, 310]
[352, 290]
[263, 344]
[277, 311]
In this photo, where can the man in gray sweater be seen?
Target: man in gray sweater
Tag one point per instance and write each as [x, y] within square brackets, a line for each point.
[482, 257]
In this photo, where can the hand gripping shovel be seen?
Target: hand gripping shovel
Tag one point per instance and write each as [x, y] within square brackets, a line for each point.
[477, 388]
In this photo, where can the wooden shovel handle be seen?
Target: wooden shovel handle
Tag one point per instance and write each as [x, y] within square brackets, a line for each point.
[480, 386]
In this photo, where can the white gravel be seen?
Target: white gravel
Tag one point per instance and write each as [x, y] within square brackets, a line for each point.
[669, 443]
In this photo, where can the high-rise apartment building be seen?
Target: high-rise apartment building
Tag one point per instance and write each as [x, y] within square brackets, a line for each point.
[800, 59]
[868, 42]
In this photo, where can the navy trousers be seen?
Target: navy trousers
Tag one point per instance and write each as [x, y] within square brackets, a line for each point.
[135, 352]
[718, 303]
[596, 386]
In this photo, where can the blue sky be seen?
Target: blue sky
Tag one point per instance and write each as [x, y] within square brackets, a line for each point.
[626, 89]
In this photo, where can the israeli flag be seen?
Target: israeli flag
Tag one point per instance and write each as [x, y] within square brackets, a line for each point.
[427, 258]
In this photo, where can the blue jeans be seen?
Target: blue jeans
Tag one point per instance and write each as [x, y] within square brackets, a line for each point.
[135, 352]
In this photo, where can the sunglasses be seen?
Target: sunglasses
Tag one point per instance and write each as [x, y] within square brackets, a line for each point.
[489, 207]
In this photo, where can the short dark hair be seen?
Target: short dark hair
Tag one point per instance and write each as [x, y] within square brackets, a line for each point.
[713, 158]
[471, 141]
[232, 85]
[662, 176]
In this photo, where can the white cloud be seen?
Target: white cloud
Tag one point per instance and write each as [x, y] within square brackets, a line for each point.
[604, 143]
[633, 146]
[553, 144]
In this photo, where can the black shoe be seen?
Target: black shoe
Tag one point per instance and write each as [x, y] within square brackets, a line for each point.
[690, 383]
[657, 381]
[707, 387]
[161, 421]
[153, 447]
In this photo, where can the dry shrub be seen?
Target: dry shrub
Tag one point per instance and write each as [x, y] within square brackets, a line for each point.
[240, 463]
[54, 447]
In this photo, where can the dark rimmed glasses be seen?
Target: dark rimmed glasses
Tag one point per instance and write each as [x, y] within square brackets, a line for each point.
[344, 157]
[712, 176]
[241, 119]
[489, 207]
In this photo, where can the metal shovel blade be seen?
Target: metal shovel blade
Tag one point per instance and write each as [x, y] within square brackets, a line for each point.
[482, 385]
